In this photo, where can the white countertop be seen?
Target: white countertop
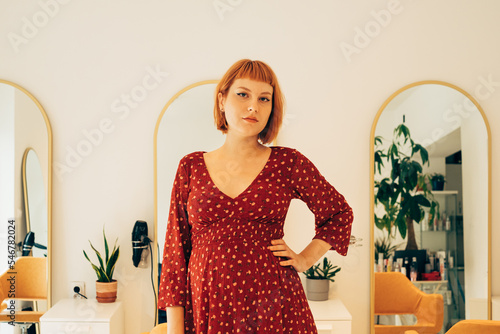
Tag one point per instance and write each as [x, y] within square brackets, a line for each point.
[80, 310]
[329, 310]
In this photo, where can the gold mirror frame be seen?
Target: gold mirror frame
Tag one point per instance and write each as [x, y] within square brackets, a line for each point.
[49, 187]
[372, 193]
[154, 257]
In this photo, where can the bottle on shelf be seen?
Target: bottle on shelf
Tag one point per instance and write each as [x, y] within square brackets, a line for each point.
[445, 271]
[380, 264]
[398, 265]
[432, 262]
[405, 269]
[414, 270]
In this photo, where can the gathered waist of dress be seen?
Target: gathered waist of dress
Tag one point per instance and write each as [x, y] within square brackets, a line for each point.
[260, 241]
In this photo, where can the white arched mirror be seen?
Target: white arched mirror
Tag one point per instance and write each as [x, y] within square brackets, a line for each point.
[185, 125]
[25, 179]
[453, 129]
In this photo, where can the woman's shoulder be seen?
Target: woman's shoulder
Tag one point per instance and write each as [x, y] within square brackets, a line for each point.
[191, 158]
[288, 152]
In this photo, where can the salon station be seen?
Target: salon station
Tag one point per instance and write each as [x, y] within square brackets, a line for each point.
[395, 101]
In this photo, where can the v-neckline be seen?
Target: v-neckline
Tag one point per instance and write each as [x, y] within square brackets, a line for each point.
[244, 190]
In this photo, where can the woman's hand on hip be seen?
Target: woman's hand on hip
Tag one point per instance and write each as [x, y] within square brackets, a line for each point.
[289, 257]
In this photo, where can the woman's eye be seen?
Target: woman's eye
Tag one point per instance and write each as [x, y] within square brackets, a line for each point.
[242, 94]
[264, 99]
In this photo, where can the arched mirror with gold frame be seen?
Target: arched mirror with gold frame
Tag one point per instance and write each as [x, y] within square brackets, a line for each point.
[25, 127]
[451, 125]
[185, 125]
[35, 202]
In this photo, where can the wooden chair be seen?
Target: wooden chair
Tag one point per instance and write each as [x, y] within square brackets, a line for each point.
[395, 294]
[26, 282]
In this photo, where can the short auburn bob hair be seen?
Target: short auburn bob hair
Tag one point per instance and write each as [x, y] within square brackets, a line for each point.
[259, 71]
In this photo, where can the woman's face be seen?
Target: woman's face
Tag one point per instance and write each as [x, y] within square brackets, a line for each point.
[247, 106]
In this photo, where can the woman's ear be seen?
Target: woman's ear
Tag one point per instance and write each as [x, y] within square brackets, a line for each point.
[221, 100]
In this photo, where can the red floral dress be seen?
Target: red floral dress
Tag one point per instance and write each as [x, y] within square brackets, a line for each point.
[216, 262]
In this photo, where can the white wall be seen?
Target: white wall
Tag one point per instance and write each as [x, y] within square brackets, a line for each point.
[88, 56]
[475, 179]
[7, 168]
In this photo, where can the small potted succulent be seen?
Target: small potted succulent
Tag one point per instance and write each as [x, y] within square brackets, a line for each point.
[437, 181]
[318, 279]
[106, 286]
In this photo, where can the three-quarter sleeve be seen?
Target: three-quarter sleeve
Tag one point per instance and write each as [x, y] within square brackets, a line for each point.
[173, 289]
[333, 216]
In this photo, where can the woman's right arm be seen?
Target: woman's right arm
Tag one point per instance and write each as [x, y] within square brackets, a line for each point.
[175, 320]
[174, 290]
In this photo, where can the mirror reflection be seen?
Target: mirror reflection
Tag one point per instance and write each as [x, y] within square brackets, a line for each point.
[25, 187]
[437, 236]
[35, 204]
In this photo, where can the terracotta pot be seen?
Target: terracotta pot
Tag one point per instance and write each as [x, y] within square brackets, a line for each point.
[106, 291]
[317, 289]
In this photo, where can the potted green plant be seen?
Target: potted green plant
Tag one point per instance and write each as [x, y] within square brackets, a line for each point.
[437, 181]
[385, 247]
[106, 286]
[403, 195]
[318, 279]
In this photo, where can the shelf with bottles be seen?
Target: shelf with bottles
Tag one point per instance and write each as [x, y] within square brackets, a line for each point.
[431, 286]
[440, 224]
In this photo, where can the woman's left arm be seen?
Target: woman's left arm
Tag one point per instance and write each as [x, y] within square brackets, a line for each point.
[333, 215]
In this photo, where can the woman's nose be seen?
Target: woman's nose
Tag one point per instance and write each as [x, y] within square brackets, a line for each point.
[252, 106]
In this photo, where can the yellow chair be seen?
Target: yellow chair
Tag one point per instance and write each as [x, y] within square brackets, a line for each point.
[26, 282]
[159, 329]
[475, 326]
[395, 294]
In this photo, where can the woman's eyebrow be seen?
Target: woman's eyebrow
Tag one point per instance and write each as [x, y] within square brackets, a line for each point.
[248, 90]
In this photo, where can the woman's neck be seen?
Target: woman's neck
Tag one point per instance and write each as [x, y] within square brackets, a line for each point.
[242, 146]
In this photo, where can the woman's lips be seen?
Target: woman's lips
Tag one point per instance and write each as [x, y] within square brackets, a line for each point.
[250, 119]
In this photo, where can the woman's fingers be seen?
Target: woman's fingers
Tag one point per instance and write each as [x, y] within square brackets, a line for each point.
[287, 255]
[281, 249]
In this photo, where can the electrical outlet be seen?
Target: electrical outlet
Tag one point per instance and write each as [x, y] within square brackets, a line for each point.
[80, 285]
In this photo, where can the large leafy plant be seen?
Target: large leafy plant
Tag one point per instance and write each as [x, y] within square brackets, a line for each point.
[327, 271]
[404, 193]
[106, 267]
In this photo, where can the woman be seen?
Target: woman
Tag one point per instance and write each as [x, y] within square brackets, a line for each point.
[226, 268]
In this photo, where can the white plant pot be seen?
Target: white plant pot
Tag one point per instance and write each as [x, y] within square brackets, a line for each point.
[317, 289]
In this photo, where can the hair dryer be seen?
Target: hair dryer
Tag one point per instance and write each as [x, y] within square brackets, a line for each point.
[28, 242]
[140, 242]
